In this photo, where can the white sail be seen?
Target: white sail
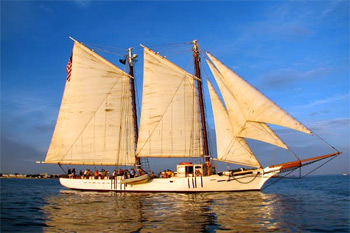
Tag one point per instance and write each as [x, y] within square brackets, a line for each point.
[254, 105]
[170, 123]
[241, 126]
[229, 147]
[95, 124]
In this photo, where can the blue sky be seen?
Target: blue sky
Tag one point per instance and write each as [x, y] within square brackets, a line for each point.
[295, 52]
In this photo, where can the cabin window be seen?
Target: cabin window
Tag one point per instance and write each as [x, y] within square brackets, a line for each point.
[181, 170]
[189, 170]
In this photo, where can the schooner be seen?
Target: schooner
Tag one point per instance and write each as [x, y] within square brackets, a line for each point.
[97, 125]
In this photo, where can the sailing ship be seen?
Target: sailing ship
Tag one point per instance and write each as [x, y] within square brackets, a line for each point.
[97, 125]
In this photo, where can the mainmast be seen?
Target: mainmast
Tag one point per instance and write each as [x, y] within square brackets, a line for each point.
[130, 58]
[201, 105]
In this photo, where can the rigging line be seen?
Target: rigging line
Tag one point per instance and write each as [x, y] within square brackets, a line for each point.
[163, 113]
[272, 133]
[175, 44]
[244, 177]
[121, 118]
[235, 162]
[138, 104]
[279, 179]
[325, 141]
[289, 149]
[294, 153]
[117, 81]
[210, 143]
[106, 46]
[106, 51]
[318, 166]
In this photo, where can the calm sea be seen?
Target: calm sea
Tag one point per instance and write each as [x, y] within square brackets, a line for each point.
[313, 204]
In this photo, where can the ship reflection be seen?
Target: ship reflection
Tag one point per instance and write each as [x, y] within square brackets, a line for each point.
[75, 211]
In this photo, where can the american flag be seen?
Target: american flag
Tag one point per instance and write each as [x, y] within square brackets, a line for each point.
[69, 68]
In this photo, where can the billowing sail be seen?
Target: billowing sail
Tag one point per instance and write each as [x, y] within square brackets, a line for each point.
[241, 126]
[170, 123]
[229, 147]
[95, 124]
[254, 105]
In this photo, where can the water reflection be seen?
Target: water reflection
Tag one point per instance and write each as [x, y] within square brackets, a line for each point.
[74, 211]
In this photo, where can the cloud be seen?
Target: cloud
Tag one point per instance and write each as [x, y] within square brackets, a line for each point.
[335, 98]
[17, 157]
[330, 9]
[29, 120]
[330, 125]
[286, 77]
[83, 3]
[279, 30]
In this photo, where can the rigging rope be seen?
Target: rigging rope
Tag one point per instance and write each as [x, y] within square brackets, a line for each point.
[278, 179]
[244, 177]
[318, 166]
[325, 141]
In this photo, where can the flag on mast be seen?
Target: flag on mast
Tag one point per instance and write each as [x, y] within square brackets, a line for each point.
[69, 68]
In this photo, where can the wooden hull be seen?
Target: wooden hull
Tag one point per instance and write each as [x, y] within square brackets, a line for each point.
[213, 183]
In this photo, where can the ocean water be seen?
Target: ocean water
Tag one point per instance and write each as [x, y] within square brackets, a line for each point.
[313, 204]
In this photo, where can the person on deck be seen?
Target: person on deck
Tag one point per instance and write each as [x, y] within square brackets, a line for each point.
[126, 174]
[96, 173]
[132, 173]
[86, 174]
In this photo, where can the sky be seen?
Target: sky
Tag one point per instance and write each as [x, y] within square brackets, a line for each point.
[295, 52]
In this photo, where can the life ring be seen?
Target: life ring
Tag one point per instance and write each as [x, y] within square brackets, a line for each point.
[185, 163]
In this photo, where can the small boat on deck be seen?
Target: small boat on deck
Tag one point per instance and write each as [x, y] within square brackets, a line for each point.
[136, 180]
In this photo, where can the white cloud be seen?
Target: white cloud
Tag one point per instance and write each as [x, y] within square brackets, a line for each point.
[337, 97]
[83, 3]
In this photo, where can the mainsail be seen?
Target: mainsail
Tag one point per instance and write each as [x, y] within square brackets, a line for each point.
[255, 106]
[170, 122]
[229, 147]
[95, 124]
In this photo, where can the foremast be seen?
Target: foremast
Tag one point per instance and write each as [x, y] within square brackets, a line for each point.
[201, 105]
[130, 58]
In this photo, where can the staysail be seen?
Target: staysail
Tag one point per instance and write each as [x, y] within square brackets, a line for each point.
[229, 147]
[170, 122]
[95, 124]
[254, 105]
[241, 127]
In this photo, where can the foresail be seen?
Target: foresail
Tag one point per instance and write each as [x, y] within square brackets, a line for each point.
[170, 123]
[95, 124]
[241, 126]
[254, 105]
[229, 147]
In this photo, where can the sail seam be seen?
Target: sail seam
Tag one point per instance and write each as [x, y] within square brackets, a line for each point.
[162, 115]
[65, 154]
[101, 58]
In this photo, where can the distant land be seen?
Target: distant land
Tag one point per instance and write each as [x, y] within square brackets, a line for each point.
[30, 176]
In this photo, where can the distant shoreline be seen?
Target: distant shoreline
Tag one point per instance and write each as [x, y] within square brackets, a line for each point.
[29, 176]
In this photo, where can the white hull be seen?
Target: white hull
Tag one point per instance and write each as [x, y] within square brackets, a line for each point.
[213, 183]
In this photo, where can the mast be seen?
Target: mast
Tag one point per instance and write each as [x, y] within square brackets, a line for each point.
[133, 98]
[201, 105]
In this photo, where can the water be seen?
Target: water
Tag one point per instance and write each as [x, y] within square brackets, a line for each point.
[313, 204]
